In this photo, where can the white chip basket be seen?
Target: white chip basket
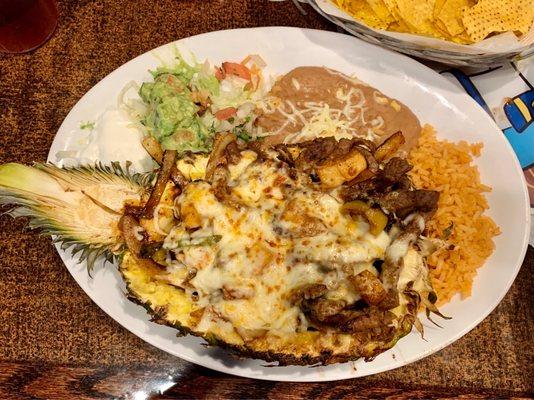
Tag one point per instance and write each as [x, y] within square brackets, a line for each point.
[475, 57]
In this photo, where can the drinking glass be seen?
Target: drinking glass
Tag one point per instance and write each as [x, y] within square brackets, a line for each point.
[26, 24]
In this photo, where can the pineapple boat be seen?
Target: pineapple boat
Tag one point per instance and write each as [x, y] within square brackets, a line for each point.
[301, 254]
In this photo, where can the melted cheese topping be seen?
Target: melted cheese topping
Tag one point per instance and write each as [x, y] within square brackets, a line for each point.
[280, 237]
[193, 167]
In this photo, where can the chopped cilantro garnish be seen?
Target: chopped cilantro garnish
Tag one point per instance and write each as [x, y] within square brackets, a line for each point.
[212, 131]
[244, 136]
[241, 132]
[87, 125]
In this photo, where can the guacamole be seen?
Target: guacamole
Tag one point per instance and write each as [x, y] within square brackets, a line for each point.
[172, 116]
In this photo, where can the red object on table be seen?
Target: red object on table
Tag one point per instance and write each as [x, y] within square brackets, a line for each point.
[26, 24]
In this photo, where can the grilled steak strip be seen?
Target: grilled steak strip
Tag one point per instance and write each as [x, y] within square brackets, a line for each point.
[392, 190]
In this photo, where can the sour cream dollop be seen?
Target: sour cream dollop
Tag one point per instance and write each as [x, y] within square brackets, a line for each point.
[114, 138]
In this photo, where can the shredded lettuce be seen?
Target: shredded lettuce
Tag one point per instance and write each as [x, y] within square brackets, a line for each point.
[232, 93]
[205, 80]
[209, 83]
[181, 69]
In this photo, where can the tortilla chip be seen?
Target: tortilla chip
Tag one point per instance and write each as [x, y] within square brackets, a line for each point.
[492, 16]
[393, 9]
[399, 26]
[440, 26]
[360, 9]
[381, 10]
[462, 38]
[438, 5]
[451, 16]
[417, 14]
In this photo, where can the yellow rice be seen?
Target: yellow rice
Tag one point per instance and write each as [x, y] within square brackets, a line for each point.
[446, 167]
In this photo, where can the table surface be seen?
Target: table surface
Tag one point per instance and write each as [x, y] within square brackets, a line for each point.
[55, 343]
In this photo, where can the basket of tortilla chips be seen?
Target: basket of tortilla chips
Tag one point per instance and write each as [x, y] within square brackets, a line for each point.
[476, 33]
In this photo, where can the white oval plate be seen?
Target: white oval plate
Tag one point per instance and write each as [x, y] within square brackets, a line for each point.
[433, 99]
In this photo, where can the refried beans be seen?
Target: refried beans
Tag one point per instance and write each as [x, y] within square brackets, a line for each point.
[357, 109]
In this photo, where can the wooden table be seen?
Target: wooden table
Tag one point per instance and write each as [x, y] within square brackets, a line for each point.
[57, 344]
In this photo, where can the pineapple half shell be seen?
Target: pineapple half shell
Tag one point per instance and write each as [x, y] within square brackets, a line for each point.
[81, 208]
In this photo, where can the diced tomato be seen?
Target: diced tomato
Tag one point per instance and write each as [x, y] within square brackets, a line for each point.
[236, 69]
[219, 73]
[225, 113]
